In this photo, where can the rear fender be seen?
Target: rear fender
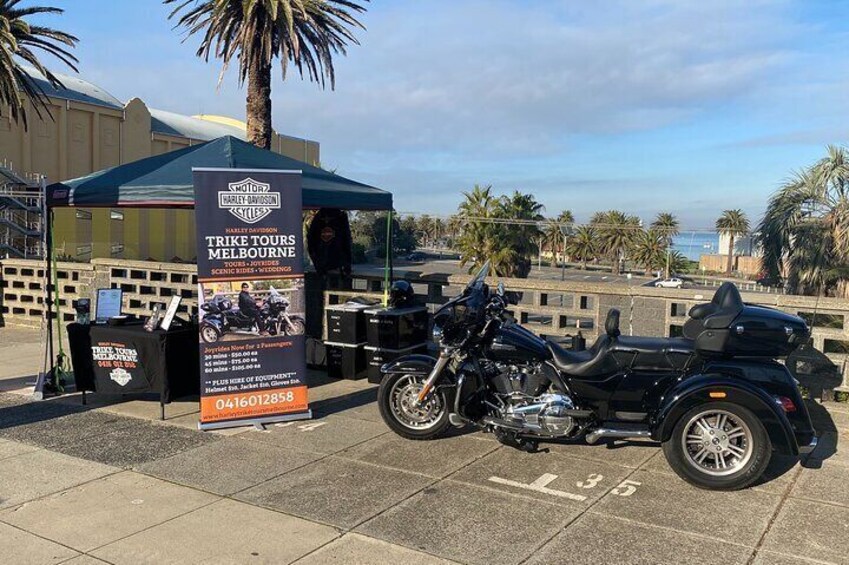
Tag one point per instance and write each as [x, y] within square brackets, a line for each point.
[416, 364]
[213, 322]
[695, 390]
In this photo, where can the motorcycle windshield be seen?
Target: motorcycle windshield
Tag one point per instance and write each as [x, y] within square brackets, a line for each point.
[480, 277]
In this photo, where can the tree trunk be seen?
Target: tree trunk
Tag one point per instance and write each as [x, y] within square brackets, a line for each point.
[730, 265]
[258, 108]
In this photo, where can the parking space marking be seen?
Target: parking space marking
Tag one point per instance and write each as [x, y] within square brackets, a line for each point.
[625, 488]
[591, 482]
[539, 485]
[311, 426]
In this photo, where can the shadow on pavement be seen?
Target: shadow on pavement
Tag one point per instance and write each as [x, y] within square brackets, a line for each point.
[827, 435]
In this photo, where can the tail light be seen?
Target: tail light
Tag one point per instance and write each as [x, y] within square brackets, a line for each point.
[786, 403]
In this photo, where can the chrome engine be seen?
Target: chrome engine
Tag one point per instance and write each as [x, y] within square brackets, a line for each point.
[523, 392]
[543, 415]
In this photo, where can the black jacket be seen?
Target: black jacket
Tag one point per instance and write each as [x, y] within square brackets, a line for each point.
[246, 302]
[329, 241]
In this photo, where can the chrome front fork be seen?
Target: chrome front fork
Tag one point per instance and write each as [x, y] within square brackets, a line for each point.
[441, 363]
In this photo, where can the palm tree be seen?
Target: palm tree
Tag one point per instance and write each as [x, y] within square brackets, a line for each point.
[305, 33]
[581, 245]
[555, 231]
[523, 235]
[676, 262]
[733, 223]
[667, 225]
[566, 217]
[424, 227]
[21, 41]
[473, 212]
[552, 238]
[501, 230]
[804, 233]
[649, 250]
[616, 231]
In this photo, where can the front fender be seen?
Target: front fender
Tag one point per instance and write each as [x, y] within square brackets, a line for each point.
[695, 390]
[415, 364]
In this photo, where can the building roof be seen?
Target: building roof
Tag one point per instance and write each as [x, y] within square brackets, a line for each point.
[75, 89]
[169, 123]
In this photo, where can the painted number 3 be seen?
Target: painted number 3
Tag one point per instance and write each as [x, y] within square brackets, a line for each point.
[591, 481]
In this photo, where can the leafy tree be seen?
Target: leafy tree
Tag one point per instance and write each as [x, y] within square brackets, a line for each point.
[582, 246]
[304, 33]
[804, 233]
[733, 223]
[22, 41]
[649, 250]
[403, 238]
[362, 228]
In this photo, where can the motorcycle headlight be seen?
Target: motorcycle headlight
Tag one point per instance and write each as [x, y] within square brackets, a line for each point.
[437, 333]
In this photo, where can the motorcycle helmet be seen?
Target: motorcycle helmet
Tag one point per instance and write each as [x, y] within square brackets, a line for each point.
[401, 294]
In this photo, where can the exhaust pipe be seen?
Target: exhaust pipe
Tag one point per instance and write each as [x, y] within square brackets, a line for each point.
[599, 433]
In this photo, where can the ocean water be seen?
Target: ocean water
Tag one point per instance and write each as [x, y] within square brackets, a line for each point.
[695, 244]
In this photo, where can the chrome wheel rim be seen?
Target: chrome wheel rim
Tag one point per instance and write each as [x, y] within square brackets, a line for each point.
[405, 409]
[717, 443]
[210, 335]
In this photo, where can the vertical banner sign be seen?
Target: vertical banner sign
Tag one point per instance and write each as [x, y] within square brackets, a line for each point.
[250, 293]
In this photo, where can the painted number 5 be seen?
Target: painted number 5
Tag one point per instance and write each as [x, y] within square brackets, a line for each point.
[591, 481]
[625, 488]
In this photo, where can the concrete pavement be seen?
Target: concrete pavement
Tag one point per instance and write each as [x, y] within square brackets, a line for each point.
[109, 483]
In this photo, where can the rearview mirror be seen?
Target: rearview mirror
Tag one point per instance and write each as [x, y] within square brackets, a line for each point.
[500, 289]
[511, 297]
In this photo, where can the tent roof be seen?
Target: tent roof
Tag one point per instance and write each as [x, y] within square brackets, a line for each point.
[166, 180]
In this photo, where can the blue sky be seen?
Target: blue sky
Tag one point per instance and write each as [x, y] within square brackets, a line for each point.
[688, 107]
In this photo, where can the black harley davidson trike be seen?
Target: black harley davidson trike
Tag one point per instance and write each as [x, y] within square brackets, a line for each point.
[221, 317]
[716, 398]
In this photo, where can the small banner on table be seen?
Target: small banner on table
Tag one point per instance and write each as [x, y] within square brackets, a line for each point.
[251, 297]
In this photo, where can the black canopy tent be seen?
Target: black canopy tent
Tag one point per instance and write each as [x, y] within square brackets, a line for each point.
[165, 181]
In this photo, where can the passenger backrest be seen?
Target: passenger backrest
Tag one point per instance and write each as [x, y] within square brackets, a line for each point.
[611, 324]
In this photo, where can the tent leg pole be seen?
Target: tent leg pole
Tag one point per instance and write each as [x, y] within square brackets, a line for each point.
[389, 251]
[50, 293]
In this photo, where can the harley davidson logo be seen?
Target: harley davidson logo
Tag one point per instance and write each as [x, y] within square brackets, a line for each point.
[327, 234]
[249, 200]
[120, 376]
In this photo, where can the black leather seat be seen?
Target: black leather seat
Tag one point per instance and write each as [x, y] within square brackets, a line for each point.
[612, 352]
[725, 305]
[591, 362]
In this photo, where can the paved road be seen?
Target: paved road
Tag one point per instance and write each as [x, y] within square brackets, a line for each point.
[452, 266]
[108, 482]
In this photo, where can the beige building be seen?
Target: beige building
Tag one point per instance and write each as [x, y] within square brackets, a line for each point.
[92, 130]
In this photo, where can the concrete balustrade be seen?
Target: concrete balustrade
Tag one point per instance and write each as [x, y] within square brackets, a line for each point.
[556, 309]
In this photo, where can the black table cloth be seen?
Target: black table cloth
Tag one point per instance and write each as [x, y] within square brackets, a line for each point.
[129, 360]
